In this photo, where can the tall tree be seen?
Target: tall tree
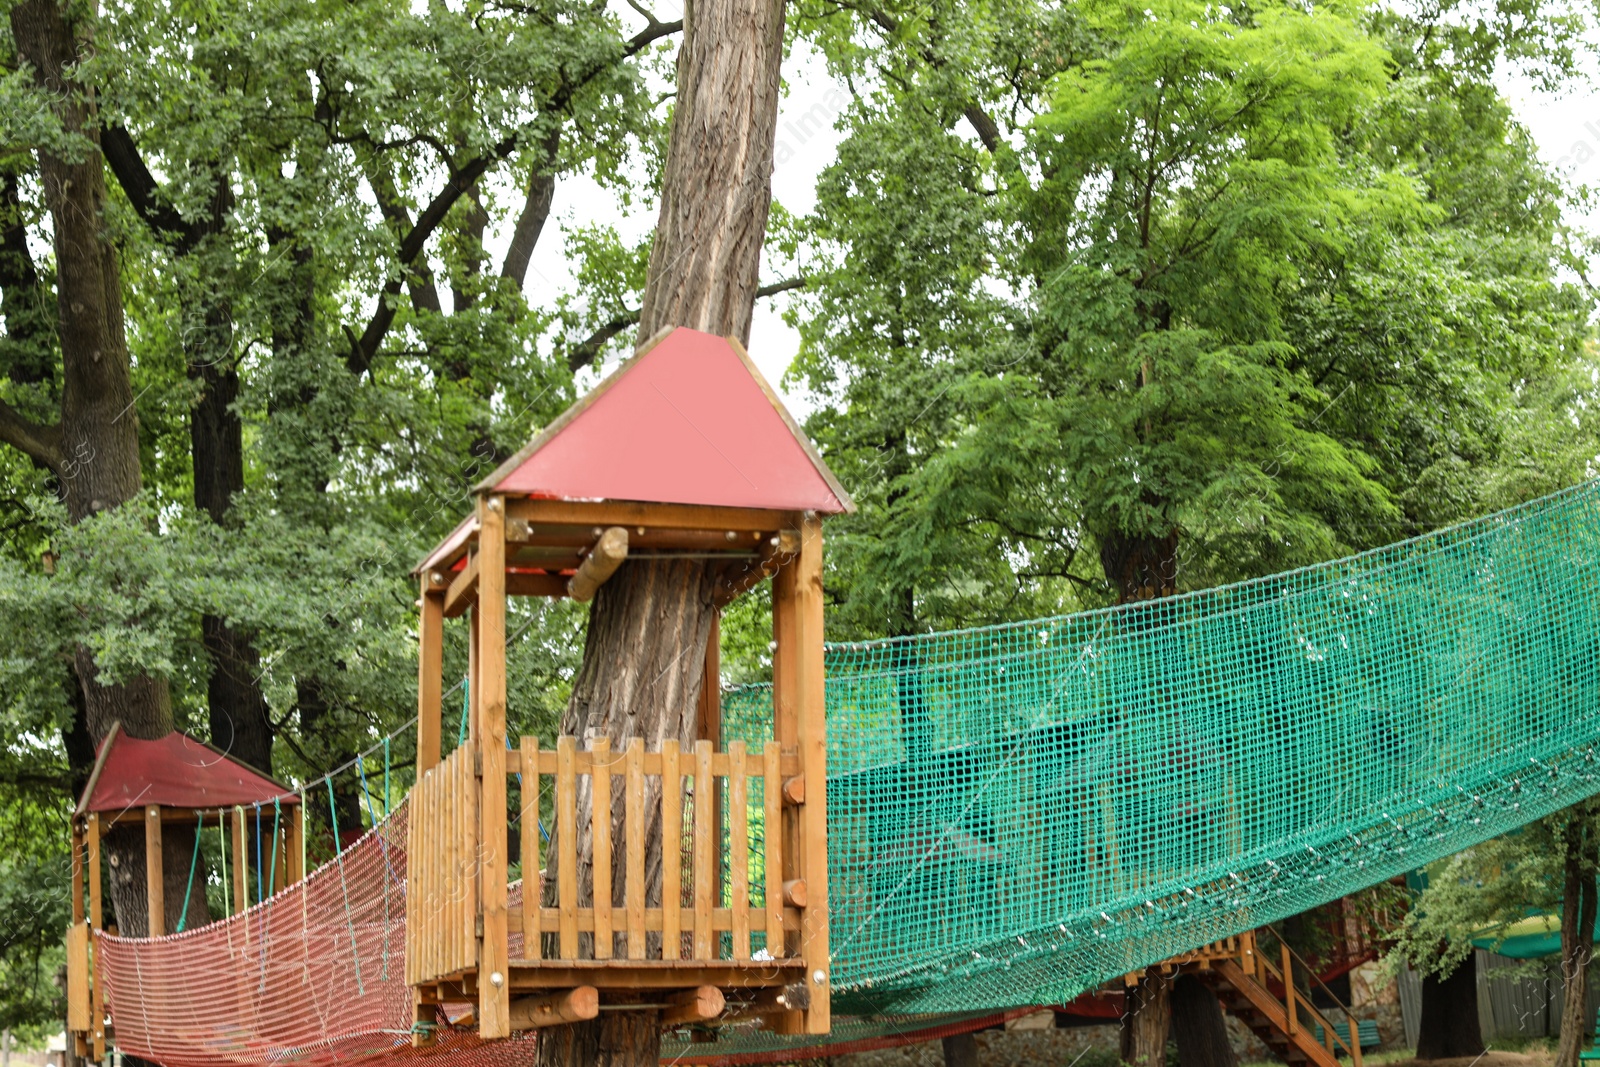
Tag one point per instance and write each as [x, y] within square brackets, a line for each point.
[645, 649]
[92, 448]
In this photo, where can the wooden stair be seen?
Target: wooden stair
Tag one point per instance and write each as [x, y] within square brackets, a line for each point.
[1288, 1024]
[1267, 1017]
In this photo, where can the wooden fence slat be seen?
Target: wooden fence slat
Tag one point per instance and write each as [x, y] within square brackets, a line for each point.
[772, 844]
[704, 865]
[671, 852]
[567, 841]
[532, 881]
[600, 751]
[450, 870]
[739, 850]
[634, 832]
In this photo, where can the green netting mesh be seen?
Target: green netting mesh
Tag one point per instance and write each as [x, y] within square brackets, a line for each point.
[1022, 812]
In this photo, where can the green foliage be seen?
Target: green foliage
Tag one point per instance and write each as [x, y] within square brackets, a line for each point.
[1494, 885]
[1267, 284]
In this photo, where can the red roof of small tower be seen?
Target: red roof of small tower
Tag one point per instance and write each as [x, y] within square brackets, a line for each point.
[687, 420]
[174, 771]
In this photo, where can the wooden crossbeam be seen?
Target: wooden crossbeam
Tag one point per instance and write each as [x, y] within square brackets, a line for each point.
[555, 1009]
[697, 1005]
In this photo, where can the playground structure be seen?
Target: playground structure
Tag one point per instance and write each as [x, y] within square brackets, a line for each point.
[962, 822]
[558, 519]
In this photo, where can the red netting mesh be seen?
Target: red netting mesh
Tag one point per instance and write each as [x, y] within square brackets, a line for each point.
[315, 975]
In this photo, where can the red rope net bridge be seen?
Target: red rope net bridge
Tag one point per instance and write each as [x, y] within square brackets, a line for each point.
[314, 974]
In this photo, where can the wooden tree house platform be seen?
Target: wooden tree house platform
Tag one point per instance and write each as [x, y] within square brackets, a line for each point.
[684, 451]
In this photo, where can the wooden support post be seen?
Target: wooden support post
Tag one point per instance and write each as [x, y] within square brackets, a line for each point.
[77, 873]
[430, 671]
[155, 886]
[241, 868]
[671, 851]
[97, 1011]
[554, 1009]
[783, 860]
[694, 1006]
[494, 951]
[1288, 987]
[814, 765]
[600, 564]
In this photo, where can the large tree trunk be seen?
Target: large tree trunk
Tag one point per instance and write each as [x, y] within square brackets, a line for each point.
[705, 264]
[237, 709]
[643, 660]
[1147, 1020]
[98, 452]
[1450, 1025]
[1577, 936]
[1198, 1027]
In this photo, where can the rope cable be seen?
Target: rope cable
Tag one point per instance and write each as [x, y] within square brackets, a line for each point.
[194, 859]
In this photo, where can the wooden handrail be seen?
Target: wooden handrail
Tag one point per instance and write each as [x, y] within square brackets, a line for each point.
[1351, 1041]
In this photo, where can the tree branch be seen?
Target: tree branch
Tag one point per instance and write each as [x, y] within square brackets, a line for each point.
[42, 444]
[988, 131]
[461, 181]
[141, 187]
[535, 212]
[583, 353]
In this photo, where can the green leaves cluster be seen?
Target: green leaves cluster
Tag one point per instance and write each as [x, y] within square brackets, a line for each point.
[1225, 289]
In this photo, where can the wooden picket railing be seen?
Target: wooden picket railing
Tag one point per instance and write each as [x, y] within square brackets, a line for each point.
[442, 871]
[693, 918]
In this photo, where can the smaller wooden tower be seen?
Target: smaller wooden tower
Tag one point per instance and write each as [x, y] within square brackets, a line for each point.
[155, 783]
[684, 450]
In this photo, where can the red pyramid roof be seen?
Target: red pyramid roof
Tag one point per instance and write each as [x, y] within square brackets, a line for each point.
[687, 420]
[174, 771]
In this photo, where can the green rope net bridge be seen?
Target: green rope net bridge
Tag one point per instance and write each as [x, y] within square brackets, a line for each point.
[1019, 813]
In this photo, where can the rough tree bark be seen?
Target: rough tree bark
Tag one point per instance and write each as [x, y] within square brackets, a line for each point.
[1449, 1025]
[1198, 1027]
[644, 657]
[1146, 1020]
[1578, 901]
[94, 448]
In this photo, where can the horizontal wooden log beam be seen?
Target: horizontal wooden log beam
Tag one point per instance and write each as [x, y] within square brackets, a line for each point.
[608, 553]
[463, 590]
[697, 1005]
[555, 1009]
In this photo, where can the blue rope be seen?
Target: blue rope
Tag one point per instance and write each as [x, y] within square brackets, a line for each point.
[466, 709]
[387, 806]
[272, 871]
[200, 821]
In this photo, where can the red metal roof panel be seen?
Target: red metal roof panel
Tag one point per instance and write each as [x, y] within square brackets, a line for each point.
[688, 421]
[174, 771]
